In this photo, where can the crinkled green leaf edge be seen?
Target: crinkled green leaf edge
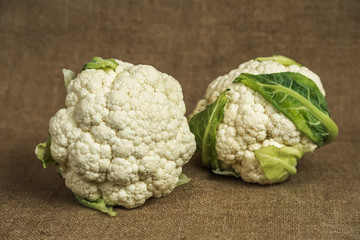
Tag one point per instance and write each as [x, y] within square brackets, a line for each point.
[100, 63]
[279, 59]
[98, 204]
[183, 179]
[42, 152]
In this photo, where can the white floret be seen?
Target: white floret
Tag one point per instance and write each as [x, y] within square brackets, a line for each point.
[123, 136]
[86, 189]
[127, 196]
[250, 122]
[123, 171]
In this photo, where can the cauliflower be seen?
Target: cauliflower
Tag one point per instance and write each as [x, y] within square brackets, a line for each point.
[258, 120]
[122, 137]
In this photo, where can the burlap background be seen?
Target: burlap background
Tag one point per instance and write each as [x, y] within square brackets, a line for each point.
[194, 41]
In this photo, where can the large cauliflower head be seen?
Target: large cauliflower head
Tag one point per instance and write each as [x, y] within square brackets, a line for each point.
[123, 136]
[250, 122]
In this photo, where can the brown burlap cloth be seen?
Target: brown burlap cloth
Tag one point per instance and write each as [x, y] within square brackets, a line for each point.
[194, 41]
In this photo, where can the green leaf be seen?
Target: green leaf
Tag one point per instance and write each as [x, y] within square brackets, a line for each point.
[183, 179]
[278, 163]
[298, 98]
[68, 76]
[98, 204]
[229, 173]
[204, 126]
[42, 152]
[100, 63]
[279, 59]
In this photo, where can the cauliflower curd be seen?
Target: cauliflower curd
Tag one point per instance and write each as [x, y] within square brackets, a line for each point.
[123, 136]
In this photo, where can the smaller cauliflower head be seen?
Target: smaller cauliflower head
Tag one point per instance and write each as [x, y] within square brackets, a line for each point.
[250, 122]
[123, 136]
